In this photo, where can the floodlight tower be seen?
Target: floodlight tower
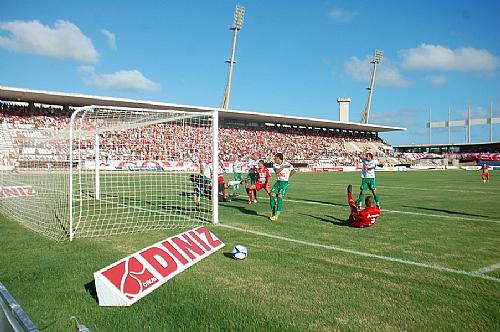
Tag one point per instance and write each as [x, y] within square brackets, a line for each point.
[377, 57]
[239, 16]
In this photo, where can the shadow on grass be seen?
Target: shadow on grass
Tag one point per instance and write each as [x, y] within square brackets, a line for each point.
[446, 211]
[243, 209]
[43, 328]
[331, 219]
[90, 288]
[161, 205]
[322, 202]
[228, 255]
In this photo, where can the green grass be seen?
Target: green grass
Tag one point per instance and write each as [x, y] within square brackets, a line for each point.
[291, 286]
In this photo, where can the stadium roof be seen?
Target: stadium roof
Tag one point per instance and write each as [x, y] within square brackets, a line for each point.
[444, 145]
[77, 100]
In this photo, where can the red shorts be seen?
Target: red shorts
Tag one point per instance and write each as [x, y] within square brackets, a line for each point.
[486, 175]
[356, 223]
[259, 186]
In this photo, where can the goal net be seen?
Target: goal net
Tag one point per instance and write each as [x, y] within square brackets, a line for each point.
[112, 170]
[34, 174]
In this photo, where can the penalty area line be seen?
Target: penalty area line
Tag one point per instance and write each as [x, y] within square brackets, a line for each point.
[365, 254]
[402, 212]
[413, 188]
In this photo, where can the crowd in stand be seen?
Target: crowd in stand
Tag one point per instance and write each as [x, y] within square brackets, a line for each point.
[33, 131]
[298, 145]
[42, 133]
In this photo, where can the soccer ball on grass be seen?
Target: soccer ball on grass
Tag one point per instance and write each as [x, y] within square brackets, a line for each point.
[240, 252]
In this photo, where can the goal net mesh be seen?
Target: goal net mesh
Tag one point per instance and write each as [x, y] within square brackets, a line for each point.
[34, 179]
[110, 170]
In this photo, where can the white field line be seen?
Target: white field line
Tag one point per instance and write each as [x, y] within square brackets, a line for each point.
[332, 247]
[403, 212]
[486, 269]
[414, 188]
[365, 254]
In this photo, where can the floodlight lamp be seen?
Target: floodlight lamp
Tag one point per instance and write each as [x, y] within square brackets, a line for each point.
[239, 15]
[378, 56]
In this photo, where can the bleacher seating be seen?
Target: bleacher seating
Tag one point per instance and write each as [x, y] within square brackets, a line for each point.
[155, 142]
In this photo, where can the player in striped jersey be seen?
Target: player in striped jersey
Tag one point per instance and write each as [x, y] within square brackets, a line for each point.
[263, 178]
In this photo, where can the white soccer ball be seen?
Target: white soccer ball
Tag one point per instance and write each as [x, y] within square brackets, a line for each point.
[240, 252]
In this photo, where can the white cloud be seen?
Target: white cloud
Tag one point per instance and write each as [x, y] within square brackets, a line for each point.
[437, 57]
[437, 80]
[110, 38]
[128, 80]
[341, 15]
[63, 41]
[86, 69]
[387, 73]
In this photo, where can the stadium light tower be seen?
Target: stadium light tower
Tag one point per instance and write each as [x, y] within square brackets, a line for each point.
[377, 57]
[239, 16]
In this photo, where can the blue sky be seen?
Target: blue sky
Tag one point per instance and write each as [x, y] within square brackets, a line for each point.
[293, 57]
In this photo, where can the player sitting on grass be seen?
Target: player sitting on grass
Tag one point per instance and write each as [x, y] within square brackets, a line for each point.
[368, 179]
[484, 173]
[263, 178]
[365, 217]
[283, 170]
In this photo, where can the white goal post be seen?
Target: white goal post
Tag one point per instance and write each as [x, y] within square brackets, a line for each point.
[115, 170]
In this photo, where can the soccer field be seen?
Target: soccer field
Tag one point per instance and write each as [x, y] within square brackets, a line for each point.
[431, 262]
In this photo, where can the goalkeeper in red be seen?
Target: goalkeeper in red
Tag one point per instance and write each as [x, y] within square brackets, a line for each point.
[283, 170]
[365, 217]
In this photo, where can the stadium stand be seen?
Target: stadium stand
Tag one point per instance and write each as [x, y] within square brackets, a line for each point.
[20, 123]
[301, 145]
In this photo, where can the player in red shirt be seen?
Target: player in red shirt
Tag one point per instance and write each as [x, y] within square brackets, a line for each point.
[262, 181]
[365, 217]
[485, 175]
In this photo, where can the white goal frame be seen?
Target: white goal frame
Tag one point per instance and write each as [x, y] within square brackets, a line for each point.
[215, 157]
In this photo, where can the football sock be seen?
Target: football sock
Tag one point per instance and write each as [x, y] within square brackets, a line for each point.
[250, 195]
[361, 198]
[377, 202]
[255, 194]
[273, 203]
[280, 206]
